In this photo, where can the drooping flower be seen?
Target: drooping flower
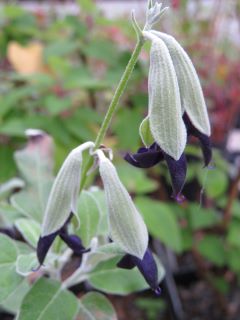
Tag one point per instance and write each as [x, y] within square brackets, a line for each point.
[127, 227]
[62, 204]
[147, 266]
[176, 110]
[148, 157]
[72, 241]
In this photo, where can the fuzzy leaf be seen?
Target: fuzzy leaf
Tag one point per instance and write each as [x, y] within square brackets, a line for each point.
[127, 227]
[165, 113]
[47, 300]
[192, 98]
[95, 306]
[29, 229]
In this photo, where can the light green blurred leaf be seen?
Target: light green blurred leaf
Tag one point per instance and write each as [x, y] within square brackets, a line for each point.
[161, 222]
[89, 215]
[135, 180]
[95, 306]
[216, 182]
[201, 217]
[46, 300]
[9, 280]
[26, 263]
[13, 302]
[29, 229]
[8, 251]
[212, 248]
[233, 236]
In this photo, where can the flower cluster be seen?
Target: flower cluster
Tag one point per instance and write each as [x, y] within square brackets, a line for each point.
[176, 108]
[176, 111]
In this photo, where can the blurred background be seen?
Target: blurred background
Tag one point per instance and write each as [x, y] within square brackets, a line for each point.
[59, 64]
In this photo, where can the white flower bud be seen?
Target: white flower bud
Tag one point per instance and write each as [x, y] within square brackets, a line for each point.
[191, 94]
[165, 115]
[127, 228]
[64, 193]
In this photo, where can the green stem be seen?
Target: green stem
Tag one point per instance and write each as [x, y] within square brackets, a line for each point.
[113, 105]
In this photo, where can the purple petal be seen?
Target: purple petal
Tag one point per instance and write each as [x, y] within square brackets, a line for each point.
[74, 243]
[148, 268]
[178, 170]
[205, 142]
[44, 244]
[145, 157]
[126, 262]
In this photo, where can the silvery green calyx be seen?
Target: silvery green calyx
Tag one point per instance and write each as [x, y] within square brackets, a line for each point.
[62, 202]
[165, 115]
[127, 228]
[192, 99]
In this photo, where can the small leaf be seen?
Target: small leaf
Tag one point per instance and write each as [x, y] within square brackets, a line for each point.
[145, 132]
[95, 306]
[165, 115]
[88, 213]
[46, 300]
[127, 227]
[30, 230]
[26, 263]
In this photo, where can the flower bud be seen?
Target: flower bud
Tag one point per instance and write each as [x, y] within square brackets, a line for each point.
[127, 228]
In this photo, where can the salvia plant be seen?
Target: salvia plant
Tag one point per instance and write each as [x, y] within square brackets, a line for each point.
[102, 227]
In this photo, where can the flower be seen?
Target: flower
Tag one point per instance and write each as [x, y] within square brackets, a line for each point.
[72, 241]
[147, 266]
[148, 157]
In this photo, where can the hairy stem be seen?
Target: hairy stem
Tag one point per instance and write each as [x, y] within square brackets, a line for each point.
[113, 105]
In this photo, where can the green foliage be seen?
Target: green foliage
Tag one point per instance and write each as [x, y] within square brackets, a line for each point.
[47, 300]
[95, 306]
[161, 222]
[212, 248]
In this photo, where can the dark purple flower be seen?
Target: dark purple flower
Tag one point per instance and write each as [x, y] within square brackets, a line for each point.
[149, 157]
[147, 266]
[203, 139]
[72, 241]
